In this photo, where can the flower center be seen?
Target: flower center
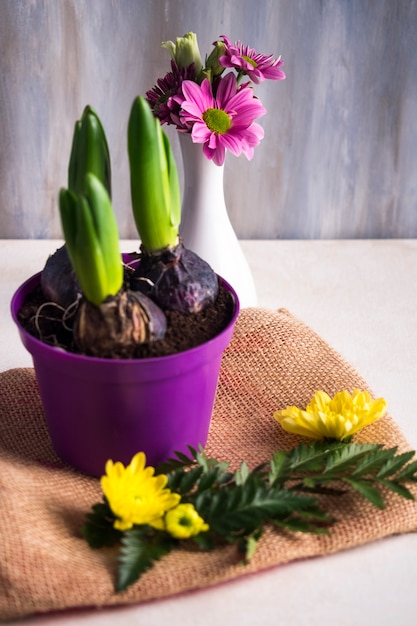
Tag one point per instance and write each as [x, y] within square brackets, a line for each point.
[185, 521]
[217, 121]
[249, 60]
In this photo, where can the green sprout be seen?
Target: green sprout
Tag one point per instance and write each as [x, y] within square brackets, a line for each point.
[89, 152]
[88, 221]
[154, 182]
[92, 239]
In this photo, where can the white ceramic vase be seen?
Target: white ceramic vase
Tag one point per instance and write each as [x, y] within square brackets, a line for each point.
[205, 225]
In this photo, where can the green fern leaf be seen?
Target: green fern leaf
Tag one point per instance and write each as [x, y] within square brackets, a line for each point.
[367, 490]
[205, 541]
[344, 458]
[394, 465]
[398, 488]
[242, 474]
[189, 480]
[98, 529]
[183, 480]
[279, 468]
[249, 545]
[210, 463]
[409, 473]
[297, 524]
[184, 458]
[241, 509]
[373, 461]
[175, 477]
[208, 479]
[180, 460]
[141, 547]
[312, 457]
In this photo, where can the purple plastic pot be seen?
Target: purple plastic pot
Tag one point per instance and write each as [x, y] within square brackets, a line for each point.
[98, 409]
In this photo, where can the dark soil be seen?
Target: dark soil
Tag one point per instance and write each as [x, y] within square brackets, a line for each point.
[51, 324]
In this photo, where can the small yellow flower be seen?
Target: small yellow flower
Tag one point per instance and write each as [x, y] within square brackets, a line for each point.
[332, 418]
[135, 495]
[183, 522]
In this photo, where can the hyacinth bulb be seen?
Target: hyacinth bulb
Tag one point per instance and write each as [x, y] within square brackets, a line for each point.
[176, 279]
[115, 327]
[59, 283]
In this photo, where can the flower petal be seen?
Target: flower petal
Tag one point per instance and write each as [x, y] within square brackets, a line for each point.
[333, 418]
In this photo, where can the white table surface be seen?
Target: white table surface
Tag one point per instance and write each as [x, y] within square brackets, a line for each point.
[361, 297]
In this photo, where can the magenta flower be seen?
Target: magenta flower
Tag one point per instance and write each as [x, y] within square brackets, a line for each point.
[161, 96]
[216, 107]
[247, 61]
[222, 122]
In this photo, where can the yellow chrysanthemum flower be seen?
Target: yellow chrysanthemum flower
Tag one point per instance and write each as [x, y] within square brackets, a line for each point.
[183, 522]
[135, 495]
[332, 418]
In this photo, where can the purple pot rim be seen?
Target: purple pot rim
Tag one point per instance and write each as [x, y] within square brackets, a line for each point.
[35, 279]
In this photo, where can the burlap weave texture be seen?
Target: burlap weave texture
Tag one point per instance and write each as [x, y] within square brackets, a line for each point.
[273, 360]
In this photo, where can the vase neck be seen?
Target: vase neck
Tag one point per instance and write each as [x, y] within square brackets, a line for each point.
[196, 165]
[205, 225]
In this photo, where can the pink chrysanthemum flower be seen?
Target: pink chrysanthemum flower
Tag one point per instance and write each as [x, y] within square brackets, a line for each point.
[222, 122]
[161, 96]
[247, 61]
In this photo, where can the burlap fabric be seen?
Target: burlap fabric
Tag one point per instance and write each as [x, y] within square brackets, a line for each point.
[273, 360]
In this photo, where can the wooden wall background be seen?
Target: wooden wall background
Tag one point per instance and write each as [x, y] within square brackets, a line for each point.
[339, 158]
